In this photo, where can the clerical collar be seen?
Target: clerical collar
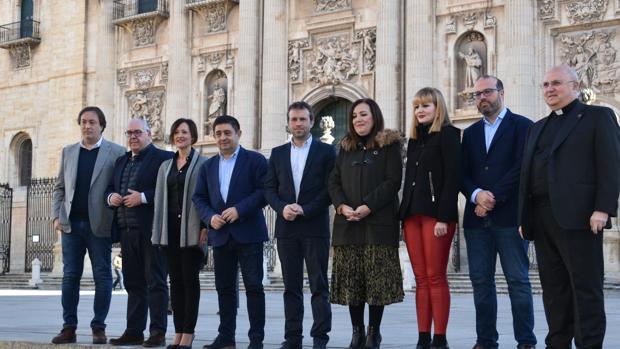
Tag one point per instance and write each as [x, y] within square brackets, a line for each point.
[567, 108]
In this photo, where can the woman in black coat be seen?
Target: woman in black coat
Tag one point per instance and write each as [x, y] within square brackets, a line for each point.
[364, 190]
[429, 210]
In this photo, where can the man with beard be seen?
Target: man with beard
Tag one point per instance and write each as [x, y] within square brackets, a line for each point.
[492, 153]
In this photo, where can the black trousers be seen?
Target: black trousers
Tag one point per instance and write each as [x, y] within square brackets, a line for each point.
[145, 281]
[571, 268]
[183, 266]
[315, 252]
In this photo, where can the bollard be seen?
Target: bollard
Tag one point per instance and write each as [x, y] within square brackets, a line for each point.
[36, 273]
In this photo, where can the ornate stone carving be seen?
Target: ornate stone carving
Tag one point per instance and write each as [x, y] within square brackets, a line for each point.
[148, 104]
[593, 56]
[163, 77]
[143, 32]
[326, 125]
[583, 11]
[369, 47]
[451, 25]
[20, 56]
[333, 60]
[470, 20]
[546, 9]
[473, 66]
[216, 17]
[489, 20]
[294, 58]
[122, 77]
[321, 6]
[144, 78]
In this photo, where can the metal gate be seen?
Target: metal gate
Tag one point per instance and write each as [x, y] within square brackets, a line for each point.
[6, 203]
[40, 234]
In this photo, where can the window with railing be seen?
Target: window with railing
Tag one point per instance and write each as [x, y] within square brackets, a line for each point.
[16, 31]
[130, 8]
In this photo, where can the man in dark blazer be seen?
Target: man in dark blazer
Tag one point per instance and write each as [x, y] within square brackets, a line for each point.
[296, 188]
[569, 189]
[229, 198]
[85, 222]
[492, 154]
[131, 193]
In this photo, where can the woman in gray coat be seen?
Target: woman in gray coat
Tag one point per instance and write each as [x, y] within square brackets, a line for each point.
[177, 227]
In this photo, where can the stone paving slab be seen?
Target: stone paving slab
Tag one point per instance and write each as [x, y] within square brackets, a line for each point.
[30, 320]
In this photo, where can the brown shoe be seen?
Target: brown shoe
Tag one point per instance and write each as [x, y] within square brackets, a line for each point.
[156, 339]
[128, 339]
[66, 335]
[99, 336]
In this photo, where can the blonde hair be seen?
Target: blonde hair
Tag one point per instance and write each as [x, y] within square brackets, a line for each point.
[432, 95]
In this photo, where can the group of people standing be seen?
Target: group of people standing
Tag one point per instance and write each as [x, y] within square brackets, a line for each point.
[555, 182]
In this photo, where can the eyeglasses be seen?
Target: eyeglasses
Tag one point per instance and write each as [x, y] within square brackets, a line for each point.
[136, 133]
[486, 92]
[554, 83]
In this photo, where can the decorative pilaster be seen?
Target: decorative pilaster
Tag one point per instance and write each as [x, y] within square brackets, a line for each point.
[418, 52]
[389, 68]
[246, 78]
[274, 74]
[105, 61]
[519, 33]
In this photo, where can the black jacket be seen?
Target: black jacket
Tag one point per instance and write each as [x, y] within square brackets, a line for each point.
[371, 177]
[432, 157]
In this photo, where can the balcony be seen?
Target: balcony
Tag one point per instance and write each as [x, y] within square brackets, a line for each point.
[126, 11]
[19, 34]
[198, 4]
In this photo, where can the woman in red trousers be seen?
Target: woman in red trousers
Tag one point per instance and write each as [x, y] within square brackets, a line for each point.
[429, 210]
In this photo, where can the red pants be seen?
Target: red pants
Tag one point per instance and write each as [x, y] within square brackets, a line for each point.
[429, 258]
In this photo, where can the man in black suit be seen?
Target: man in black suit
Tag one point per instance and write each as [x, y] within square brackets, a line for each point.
[569, 189]
[131, 193]
[296, 188]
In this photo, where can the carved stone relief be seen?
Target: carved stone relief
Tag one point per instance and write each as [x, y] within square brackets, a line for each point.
[470, 20]
[451, 25]
[489, 20]
[583, 11]
[546, 9]
[148, 104]
[20, 56]
[144, 78]
[212, 59]
[295, 58]
[333, 60]
[122, 77]
[163, 77]
[369, 47]
[215, 17]
[143, 32]
[216, 99]
[471, 51]
[593, 56]
[321, 6]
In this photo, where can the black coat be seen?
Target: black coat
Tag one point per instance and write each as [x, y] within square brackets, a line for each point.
[370, 177]
[583, 169]
[436, 157]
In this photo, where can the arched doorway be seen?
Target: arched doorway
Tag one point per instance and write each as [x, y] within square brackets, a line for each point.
[338, 109]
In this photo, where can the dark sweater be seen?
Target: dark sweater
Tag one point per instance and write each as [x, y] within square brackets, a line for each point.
[86, 166]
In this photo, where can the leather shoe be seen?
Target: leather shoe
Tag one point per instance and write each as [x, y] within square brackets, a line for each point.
[477, 346]
[99, 336]
[220, 343]
[156, 339]
[373, 338]
[255, 345]
[445, 346]
[289, 345]
[66, 335]
[128, 339]
[526, 346]
[358, 338]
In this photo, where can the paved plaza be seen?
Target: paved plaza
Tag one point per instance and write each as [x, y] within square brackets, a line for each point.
[36, 316]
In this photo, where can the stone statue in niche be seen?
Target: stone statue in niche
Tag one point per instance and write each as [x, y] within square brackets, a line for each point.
[216, 99]
[473, 68]
[583, 66]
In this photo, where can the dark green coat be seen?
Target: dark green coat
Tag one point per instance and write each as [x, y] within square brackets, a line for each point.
[371, 177]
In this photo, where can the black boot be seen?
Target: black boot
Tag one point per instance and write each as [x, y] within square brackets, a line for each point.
[358, 338]
[373, 338]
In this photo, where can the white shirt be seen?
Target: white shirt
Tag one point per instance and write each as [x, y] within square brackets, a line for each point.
[489, 132]
[225, 170]
[97, 145]
[299, 155]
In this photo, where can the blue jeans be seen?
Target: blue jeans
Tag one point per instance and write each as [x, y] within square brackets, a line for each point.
[483, 246]
[226, 259]
[74, 247]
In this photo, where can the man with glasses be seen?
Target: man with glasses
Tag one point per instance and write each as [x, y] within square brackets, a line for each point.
[569, 189]
[492, 153]
[130, 193]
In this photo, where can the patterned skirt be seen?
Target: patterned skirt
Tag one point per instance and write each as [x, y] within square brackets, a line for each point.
[366, 274]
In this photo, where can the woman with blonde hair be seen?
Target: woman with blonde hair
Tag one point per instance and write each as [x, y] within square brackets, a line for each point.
[429, 210]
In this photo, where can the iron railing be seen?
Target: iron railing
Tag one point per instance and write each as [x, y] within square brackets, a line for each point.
[130, 8]
[19, 30]
[6, 204]
[40, 234]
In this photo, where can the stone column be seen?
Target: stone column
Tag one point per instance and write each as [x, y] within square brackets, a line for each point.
[106, 60]
[246, 76]
[275, 72]
[178, 85]
[389, 68]
[419, 35]
[521, 89]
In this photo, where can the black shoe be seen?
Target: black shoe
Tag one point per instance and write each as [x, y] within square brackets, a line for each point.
[128, 339]
[358, 338]
[219, 343]
[255, 345]
[373, 338]
[156, 339]
[423, 346]
[319, 343]
[445, 346]
[289, 345]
